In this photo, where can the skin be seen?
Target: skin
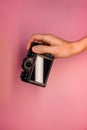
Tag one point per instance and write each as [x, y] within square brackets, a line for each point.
[58, 47]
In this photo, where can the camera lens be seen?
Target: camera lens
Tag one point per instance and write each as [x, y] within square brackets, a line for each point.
[28, 64]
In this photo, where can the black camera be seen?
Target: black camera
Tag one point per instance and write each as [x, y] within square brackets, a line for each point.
[36, 67]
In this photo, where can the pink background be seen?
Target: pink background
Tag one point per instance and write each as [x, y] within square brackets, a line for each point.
[62, 105]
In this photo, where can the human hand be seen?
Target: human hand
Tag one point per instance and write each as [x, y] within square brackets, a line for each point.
[58, 47]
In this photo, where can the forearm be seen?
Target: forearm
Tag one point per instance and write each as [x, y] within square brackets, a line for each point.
[79, 46]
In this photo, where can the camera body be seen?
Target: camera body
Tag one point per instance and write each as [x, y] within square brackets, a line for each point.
[36, 67]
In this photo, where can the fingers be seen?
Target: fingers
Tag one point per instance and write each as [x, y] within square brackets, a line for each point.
[35, 37]
[40, 38]
[40, 49]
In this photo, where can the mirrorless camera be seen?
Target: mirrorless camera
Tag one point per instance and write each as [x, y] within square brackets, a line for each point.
[36, 67]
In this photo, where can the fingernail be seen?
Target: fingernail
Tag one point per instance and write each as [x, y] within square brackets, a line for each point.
[36, 48]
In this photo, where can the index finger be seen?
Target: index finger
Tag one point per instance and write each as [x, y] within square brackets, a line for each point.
[39, 38]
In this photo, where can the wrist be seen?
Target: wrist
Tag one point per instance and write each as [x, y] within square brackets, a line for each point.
[79, 46]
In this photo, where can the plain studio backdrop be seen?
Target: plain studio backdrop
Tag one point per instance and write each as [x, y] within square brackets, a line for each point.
[62, 105]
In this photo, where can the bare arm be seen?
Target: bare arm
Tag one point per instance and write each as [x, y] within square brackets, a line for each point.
[79, 46]
[58, 47]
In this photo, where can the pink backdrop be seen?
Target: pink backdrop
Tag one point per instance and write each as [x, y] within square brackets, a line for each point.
[62, 105]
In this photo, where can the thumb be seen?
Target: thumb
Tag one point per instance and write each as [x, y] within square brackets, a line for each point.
[40, 49]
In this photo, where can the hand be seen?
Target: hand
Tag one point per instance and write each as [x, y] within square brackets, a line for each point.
[58, 47]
